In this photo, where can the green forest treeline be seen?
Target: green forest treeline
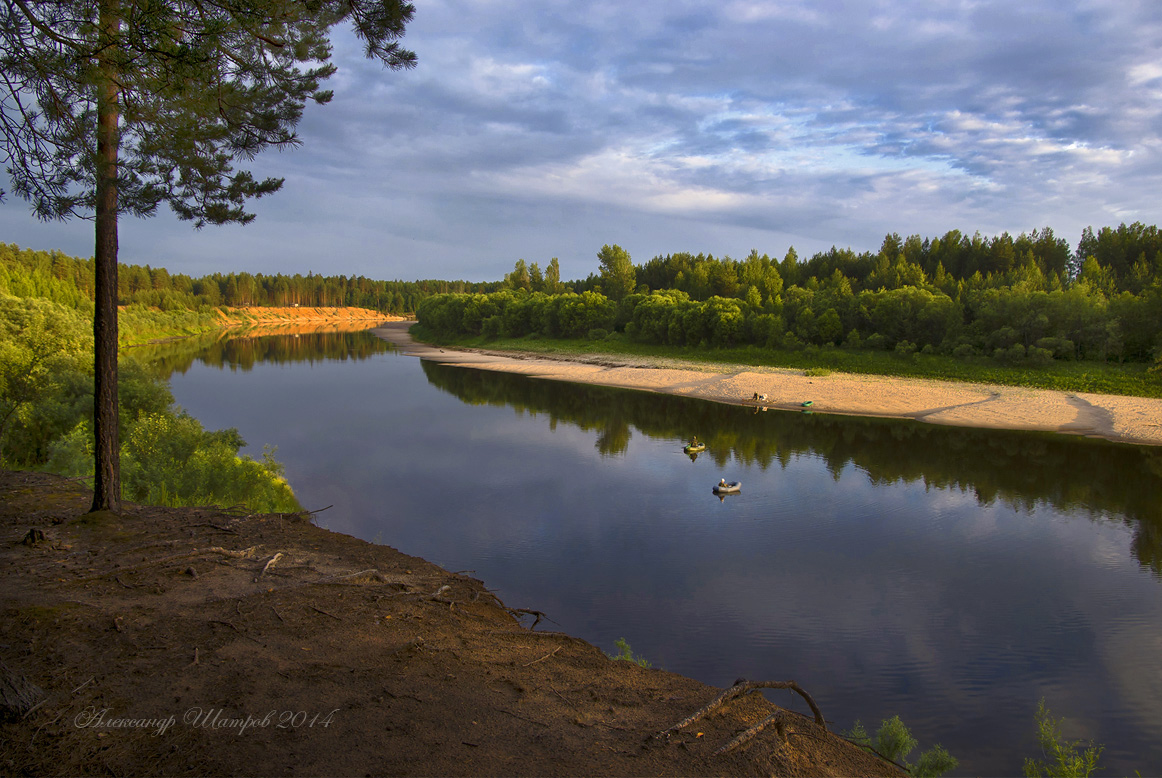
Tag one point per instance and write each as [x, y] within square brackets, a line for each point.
[68, 280]
[1027, 301]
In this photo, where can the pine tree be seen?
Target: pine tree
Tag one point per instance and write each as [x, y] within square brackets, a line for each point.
[118, 106]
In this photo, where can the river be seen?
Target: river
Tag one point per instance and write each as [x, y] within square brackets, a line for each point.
[953, 577]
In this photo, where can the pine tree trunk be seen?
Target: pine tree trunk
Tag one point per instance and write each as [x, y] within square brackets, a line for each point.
[107, 483]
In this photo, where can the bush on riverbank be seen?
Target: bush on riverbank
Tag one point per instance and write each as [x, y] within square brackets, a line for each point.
[167, 458]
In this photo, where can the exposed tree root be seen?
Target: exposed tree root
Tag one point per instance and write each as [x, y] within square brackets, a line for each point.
[742, 688]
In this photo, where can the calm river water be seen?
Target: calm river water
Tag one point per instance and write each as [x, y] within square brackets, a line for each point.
[953, 577]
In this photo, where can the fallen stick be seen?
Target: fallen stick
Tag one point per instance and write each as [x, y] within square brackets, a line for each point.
[245, 553]
[775, 718]
[529, 612]
[546, 656]
[320, 610]
[270, 563]
[216, 526]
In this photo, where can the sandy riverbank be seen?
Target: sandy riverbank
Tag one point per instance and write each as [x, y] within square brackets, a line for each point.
[291, 320]
[1135, 420]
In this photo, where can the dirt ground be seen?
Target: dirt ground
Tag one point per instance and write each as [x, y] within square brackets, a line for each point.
[213, 642]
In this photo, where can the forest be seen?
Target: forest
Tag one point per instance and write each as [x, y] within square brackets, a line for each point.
[1029, 300]
[67, 280]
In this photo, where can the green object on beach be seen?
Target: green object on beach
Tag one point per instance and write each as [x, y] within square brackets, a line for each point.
[807, 403]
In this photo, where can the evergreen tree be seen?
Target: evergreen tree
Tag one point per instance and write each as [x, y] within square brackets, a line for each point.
[117, 106]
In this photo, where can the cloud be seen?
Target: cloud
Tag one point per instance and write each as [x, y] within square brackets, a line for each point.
[538, 129]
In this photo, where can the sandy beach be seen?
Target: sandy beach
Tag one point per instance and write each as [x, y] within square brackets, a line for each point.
[1136, 420]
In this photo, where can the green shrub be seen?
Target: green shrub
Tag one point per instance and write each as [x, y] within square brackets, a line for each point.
[46, 407]
[964, 351]
[1038, 357]
[893, 741]
[1063, 759]
[625, 654]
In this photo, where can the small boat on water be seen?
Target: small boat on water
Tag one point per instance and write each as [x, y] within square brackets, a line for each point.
[727, 487]
[694, 449]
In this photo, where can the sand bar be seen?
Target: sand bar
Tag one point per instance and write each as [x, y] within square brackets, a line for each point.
[1136, 420]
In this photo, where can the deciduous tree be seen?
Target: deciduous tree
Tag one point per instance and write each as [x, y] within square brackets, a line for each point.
[618, 277]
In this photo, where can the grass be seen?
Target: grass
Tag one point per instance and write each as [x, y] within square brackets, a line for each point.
[625, 654]
[1096, 377]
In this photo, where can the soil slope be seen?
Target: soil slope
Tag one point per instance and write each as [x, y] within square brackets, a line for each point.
[211, 642]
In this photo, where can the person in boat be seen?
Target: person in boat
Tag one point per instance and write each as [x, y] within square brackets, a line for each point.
[694, 442]
[721, 482]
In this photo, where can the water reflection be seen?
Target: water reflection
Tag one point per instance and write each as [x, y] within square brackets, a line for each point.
[239, 351]
[1107, 481]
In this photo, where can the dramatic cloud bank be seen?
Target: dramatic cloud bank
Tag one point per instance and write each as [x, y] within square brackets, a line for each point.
[541, 128]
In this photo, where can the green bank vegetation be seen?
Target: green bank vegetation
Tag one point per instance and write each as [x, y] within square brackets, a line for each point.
[69, 281]
[625, 654]
[894, 742]
[167, 458]
[1025, 310]
[1062, 758]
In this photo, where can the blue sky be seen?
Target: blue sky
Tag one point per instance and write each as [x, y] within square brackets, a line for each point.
[538, 128]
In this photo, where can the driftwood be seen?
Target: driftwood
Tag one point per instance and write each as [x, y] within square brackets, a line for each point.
[742, 688]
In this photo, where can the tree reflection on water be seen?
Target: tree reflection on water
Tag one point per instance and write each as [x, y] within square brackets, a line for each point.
[1109, 481]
